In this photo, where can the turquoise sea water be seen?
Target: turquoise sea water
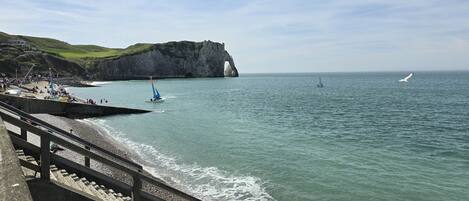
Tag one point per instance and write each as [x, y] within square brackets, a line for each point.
[364, 136]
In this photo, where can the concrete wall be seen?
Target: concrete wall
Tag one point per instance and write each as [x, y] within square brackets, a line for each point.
[12, 182]
[73, 110]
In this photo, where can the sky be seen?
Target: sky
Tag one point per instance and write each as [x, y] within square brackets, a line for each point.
[266, 36]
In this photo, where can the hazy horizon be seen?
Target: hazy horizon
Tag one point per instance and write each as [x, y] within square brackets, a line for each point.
[267, 36]
[355, 71]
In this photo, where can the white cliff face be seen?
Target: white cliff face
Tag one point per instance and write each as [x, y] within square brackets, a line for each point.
[173, 59]
[230, 69]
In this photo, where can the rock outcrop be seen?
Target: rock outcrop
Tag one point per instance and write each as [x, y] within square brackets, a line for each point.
[169, 60]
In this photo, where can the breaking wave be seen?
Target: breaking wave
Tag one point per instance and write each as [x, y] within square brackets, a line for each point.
[95, 83]
[207, 183]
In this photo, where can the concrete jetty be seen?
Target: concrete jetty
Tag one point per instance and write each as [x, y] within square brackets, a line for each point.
[72, 110]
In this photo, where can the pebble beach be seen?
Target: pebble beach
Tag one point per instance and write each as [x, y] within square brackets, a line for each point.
[97, 136]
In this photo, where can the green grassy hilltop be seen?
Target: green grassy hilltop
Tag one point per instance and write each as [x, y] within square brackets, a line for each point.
[75, 52]
[19, 53]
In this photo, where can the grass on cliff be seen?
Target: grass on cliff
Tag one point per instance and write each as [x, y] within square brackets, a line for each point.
[93, 51]
[4, 36]
[79, 52]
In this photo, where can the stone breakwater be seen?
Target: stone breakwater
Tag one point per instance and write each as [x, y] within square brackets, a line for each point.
[169, 60]
[72, 110]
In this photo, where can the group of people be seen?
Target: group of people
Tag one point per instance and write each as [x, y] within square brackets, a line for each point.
[34, 78]
[3, 86]
[55, 91]
[103, 100]
[37, 90]
[93, 102]
[4, 82]
[90, 101]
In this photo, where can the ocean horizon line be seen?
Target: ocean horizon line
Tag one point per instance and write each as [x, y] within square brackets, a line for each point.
[388, 71]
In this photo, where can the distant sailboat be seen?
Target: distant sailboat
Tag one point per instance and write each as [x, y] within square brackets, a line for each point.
[156, 95]
[320, 85]
[406, 79]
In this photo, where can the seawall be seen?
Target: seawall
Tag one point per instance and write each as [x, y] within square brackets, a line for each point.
[72, 110]
[12, 182]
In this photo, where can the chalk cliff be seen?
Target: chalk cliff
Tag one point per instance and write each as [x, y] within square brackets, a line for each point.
[163, 60]
[172, 59]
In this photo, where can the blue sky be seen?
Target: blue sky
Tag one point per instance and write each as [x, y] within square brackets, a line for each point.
[267, 36]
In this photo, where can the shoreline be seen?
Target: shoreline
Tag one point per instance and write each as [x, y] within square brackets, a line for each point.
[98, 136]
[161, 168]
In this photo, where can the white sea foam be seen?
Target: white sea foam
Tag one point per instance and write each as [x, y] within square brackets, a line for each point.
[169, 97]
[99, 83]
[207, 183]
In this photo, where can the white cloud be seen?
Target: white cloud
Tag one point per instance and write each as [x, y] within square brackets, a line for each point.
[267, 36]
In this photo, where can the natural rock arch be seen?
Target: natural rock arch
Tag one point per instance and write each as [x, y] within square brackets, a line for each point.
[229, 66]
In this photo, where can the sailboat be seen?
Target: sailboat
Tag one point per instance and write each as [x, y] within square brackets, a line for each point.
[320, 85]
[156, 95]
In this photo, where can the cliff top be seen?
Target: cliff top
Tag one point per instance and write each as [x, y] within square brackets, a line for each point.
[82, 53]
[73, 52]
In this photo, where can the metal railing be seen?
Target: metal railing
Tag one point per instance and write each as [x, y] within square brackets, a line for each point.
[49, 133]
[66, 134]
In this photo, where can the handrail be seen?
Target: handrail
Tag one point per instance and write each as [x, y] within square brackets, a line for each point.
[65, 133]
[46, 137]
[58, 160]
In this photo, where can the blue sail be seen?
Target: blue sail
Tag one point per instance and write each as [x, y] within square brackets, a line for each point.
[156, 94]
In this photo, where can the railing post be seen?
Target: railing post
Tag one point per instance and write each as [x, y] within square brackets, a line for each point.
[45, 157]
[24, 133]
[136, 187]
[87, 159]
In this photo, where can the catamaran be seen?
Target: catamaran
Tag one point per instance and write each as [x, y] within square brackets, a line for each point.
[156, 95]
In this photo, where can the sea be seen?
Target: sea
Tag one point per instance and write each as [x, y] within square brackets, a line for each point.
[363, 136]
